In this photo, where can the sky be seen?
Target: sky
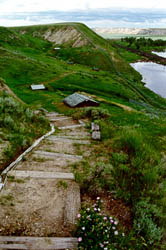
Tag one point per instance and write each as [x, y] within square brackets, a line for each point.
[94, 13]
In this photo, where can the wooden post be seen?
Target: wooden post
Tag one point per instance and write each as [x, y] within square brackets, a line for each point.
[96, 134]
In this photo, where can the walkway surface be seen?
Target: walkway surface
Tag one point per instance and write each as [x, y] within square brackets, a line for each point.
[41, 200]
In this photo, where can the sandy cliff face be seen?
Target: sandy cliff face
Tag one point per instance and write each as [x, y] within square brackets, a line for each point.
[69, 35]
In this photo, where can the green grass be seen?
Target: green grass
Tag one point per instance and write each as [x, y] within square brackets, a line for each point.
[86, 56]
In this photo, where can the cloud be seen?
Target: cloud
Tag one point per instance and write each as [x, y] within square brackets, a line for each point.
[66, 5]
[41, 5]
[113, 17]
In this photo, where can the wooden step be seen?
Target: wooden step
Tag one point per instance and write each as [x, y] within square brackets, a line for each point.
[66, 140]
[37, 243]
[53, 114]
[41, 175]
[60, 119]
[13, 246]
[74, 137]
[72, 126]
[57, 155]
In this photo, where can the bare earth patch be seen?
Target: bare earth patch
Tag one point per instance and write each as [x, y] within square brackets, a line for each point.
[36, 208]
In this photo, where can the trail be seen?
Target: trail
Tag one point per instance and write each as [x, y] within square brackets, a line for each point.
[40, 201]
[49, 81]
[59, 77]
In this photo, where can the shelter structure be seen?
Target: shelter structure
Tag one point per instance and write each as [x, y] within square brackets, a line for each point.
[57, 48]
[38, 87]
[78, 100]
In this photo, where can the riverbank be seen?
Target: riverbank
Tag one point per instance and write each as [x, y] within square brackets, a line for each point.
[153, 75]
[148, 56]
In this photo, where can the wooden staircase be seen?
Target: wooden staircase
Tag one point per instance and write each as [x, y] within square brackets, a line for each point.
[36, 179]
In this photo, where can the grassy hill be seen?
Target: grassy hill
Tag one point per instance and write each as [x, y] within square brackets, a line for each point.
[91, 38]
[43, 64]
[129, 161]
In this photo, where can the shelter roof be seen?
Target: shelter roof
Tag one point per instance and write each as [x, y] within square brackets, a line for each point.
[76, 99]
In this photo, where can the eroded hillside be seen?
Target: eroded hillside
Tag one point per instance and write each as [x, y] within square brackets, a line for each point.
[59, 34]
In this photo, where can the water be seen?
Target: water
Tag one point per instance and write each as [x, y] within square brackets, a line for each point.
[153, 74]
[163, 54]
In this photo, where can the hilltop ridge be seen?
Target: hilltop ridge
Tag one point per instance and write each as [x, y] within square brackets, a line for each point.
[65, 34]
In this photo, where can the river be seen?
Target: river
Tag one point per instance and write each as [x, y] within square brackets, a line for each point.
[153, 74]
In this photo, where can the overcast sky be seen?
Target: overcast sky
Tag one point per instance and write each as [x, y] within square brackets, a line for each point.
[95, 13]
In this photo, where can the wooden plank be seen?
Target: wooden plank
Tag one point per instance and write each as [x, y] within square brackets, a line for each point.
[66, 140]
[41, 175]
[96, 135]
[31, 239]
[73, 137]
[56, 155]
[81, 122]
[53, 114]
[13, 246]
[60, 119]
[95, 127]
[38, 243]
[72, 204]
[72, 126]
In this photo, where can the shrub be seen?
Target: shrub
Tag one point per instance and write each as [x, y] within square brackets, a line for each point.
[94, 177]
[19, 126]
[29, 114]
[97, 231]
[96, 113]
[8, 152]
[146, 222]
[107, 129]
[8, 122]
[92, 112]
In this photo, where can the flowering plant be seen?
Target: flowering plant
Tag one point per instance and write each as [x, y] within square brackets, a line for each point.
[97, 231]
